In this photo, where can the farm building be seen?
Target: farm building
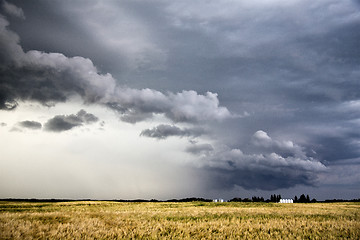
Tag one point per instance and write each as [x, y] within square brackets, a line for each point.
[286, 201]
[220, 200]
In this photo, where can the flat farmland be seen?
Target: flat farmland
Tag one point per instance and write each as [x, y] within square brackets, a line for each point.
[166, 220]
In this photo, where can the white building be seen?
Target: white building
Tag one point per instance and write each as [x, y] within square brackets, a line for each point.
[218, 200]
[286, 200]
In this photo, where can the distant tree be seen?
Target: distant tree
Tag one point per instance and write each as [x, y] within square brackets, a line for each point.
[307, 198]
[257, 199]
[235, 200]
[275, 198]
[313, 200]
[295, 199]
[302, 198]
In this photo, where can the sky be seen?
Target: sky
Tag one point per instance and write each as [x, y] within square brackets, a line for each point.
[172, 99]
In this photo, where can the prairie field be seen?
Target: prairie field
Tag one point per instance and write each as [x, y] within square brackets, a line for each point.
[166, 220]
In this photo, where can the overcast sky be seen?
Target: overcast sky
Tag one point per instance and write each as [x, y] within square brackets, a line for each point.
[171, 99]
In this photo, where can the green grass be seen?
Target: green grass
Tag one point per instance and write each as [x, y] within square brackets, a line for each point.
[193, 220]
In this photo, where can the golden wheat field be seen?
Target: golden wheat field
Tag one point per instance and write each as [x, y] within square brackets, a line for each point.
[165, 220]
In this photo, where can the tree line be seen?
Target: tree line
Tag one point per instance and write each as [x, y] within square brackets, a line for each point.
[275, 198]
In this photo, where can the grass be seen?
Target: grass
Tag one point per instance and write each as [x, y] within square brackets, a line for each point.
[194, 220]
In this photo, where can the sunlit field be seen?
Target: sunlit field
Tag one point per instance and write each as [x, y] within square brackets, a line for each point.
[192, 220]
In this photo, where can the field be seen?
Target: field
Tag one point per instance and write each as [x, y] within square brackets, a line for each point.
[193, 220]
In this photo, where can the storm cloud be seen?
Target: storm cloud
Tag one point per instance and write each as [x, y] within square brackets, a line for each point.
[61, 123]
[52, 77]
[248, 94]
[265, 170]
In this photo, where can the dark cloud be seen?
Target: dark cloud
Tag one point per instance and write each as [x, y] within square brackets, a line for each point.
[47, 77]
[13, 10]
[251, 179]
[61, 123]
[53, 77]
[164, 131]
[336, 149]
[30, 124]
[265, 170]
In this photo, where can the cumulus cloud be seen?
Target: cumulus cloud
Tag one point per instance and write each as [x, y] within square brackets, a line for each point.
[263, 171]
[264, 143]
[13, 10]
[52, 77]
[261, 137]
[30, 124]
[164, 131]
[186, 106]
[3, 124]
[266, 170]
[61, 123]
[45, 77]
